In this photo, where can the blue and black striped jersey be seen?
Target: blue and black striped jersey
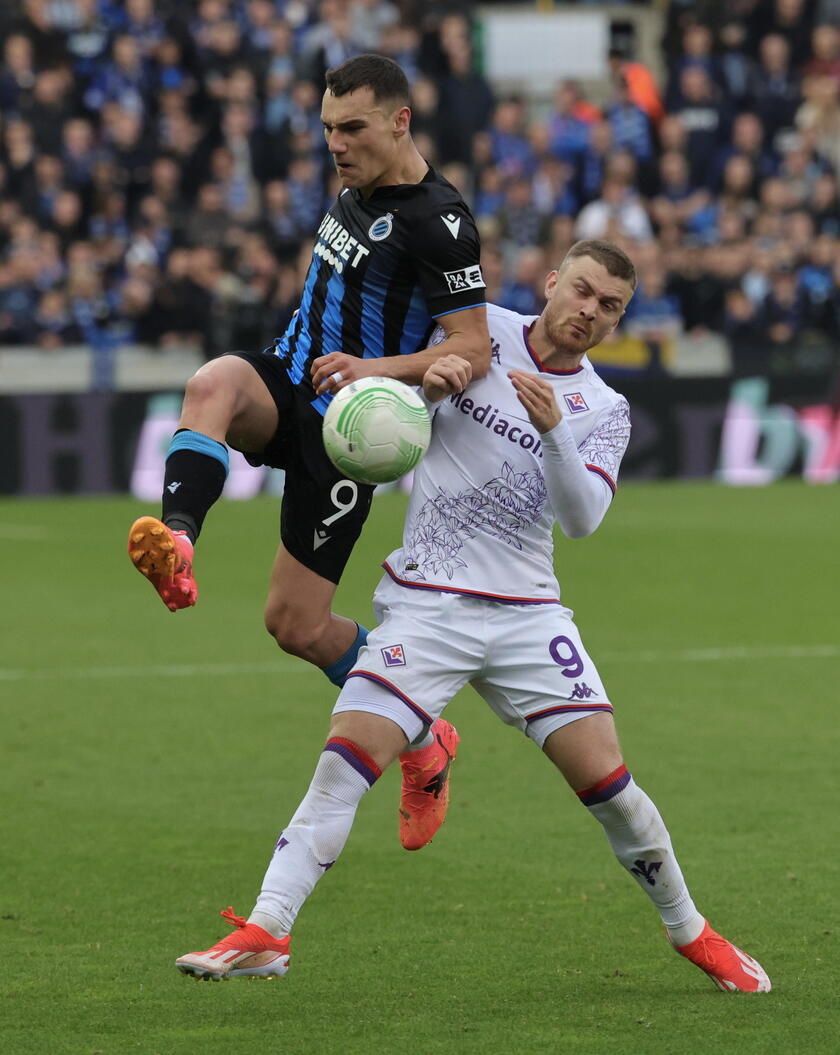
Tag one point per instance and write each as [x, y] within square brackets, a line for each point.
[383, 269]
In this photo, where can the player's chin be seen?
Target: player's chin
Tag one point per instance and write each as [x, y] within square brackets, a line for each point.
[348, 175]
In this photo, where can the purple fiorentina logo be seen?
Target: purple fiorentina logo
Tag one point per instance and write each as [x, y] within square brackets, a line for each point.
[393, 656]
[575, 402]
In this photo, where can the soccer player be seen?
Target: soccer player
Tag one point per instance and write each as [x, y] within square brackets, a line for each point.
[471, 596]
[395, 255]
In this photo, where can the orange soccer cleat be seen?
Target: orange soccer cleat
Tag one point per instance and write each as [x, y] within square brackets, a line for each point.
[425, 786]
[247, 951]
[165, 558]
[729, 968]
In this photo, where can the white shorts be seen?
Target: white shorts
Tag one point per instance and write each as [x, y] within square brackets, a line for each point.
[526, 661]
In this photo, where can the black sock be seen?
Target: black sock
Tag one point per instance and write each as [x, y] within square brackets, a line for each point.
[192, 482]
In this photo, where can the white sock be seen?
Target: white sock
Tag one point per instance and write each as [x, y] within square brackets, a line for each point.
[642, 845]
[316, 835]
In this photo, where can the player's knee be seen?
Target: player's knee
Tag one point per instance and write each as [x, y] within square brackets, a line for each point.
[294, 631]
[204, 389]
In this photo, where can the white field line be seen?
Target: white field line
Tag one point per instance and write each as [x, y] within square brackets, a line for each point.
[272, 667]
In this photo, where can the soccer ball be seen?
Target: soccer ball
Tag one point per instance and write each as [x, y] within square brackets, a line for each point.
[376, 430]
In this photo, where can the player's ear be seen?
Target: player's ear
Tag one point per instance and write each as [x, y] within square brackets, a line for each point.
[551, 282]
[401, 120]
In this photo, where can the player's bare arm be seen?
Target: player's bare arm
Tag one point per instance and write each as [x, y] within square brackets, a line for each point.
[466, 336]
[448, 376]
[537, 396]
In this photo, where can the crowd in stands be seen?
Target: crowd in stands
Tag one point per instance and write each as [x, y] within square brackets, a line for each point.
[163, 168]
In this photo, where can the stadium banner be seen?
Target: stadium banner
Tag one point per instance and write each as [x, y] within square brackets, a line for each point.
[742, 431]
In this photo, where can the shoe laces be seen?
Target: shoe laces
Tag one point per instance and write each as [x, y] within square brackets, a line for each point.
[232, 918]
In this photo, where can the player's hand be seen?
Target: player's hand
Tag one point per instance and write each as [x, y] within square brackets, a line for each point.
[537, 396]
[446, 377]
[348, 368]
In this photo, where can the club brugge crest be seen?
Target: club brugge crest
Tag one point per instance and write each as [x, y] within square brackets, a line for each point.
[381, 228]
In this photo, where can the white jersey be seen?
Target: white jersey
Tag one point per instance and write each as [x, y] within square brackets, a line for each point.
[479, 519]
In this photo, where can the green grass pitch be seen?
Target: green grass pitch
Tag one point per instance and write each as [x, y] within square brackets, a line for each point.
[148, 760]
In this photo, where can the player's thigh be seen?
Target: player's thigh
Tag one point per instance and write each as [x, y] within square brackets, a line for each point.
[585, 751]
[423, 651]
[539, 676]
[229, 400]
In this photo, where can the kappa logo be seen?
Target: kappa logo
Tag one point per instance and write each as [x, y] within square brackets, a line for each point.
[393, 655]
[381, 228]
[581, 691]
[466, 278]
[646, 870]
[453, 224]
[575, 402]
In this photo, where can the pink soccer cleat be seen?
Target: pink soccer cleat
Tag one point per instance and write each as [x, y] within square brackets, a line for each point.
[248, 951]
[425, 786]
[165, 558]
[728, 967]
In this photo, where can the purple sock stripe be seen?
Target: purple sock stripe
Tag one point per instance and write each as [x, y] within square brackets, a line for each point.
[352, 759]
[592, 796]
[421, 714]
[568, 708]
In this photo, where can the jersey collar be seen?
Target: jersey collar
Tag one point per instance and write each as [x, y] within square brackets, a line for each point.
[526, 332]
[399, 190]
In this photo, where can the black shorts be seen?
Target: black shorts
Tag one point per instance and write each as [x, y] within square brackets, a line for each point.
[322, 512]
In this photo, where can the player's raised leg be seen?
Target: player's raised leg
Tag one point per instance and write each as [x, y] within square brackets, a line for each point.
[225, 401]
[587, 753]
[360, 746]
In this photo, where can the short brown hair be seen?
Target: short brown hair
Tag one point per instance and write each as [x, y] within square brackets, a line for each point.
[615, 260]
[382, 75]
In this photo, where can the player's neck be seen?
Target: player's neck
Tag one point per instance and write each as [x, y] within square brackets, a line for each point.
[409, 167]
[551, 355]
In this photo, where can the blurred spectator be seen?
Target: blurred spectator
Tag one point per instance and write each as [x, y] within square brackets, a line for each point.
[181, 308]
[642, 88]
[656, 313]
[677, 200]
[617, 214]
[825, 204]
[465, 103]
[790, 19]
[741, 324]
[524, 292]
[17, 73]
[704, 113]
[783, 309]
[53, 326]
[825, 53]
[735, 62]
[774, 87]
[568, 131]
[818, 118]
[520, 221]
[631, 128]
[700, 292]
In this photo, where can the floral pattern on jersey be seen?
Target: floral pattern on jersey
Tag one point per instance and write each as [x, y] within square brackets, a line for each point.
[606, 444]
[503, 507]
